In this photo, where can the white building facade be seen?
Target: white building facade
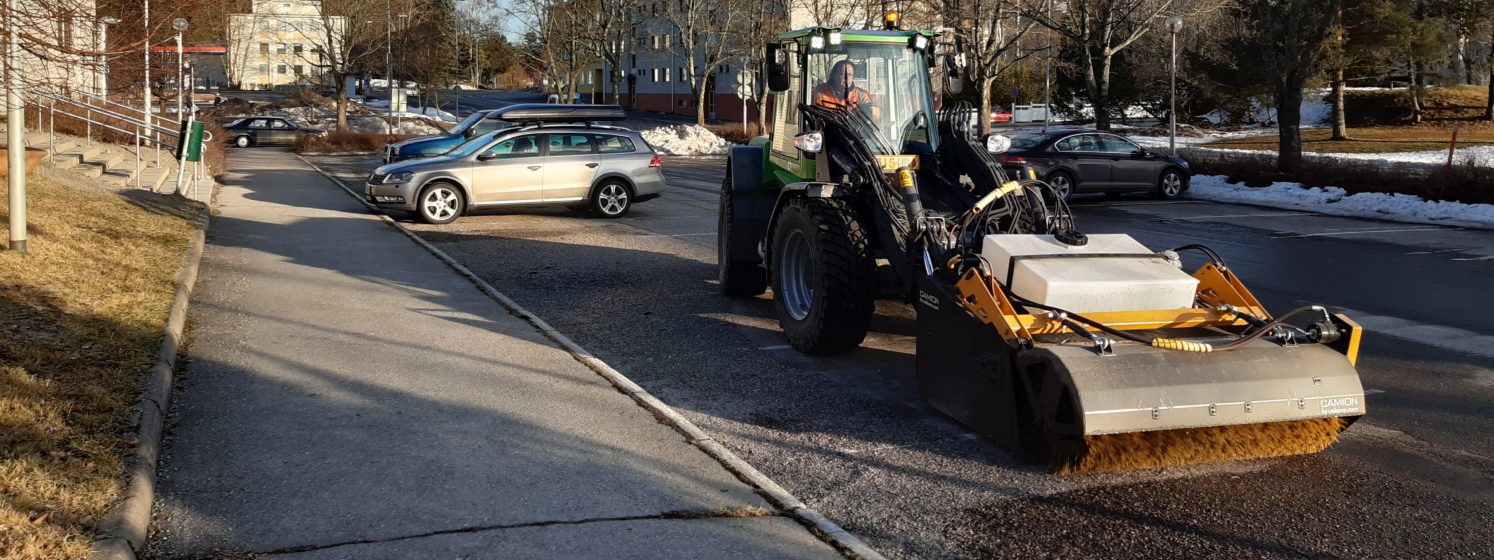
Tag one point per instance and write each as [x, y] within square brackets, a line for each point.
[278, 44]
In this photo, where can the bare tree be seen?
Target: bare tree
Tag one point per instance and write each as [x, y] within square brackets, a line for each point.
[552, 45]
[707, 35]
[1282, 48]
[339, 36]
[834, 13]
[987, 33]
[1103, 28]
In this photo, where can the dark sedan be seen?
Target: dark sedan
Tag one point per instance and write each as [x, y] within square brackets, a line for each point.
[1089, 161]
[260, 131]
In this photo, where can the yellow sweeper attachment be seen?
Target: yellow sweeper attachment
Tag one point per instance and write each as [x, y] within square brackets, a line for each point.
[1216, 378]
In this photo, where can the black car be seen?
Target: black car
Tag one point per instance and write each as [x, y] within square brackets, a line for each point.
[259, 131]
[1090, 161]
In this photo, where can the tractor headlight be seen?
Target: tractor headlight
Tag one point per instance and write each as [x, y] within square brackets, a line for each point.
[810, 142]
[397, 178]
[834, 38]
[816, 42]
[997, 143]
[919, 42]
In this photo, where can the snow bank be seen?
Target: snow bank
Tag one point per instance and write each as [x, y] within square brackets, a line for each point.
[685, 140]
[1337, 202]
[416, 128]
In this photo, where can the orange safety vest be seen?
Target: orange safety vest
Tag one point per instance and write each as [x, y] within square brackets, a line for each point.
[825, 96]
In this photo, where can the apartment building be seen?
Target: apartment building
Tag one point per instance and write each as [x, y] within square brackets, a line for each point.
[277, 45]
[59, 49]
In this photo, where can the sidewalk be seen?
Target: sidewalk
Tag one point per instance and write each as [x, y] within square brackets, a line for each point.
[346, 395]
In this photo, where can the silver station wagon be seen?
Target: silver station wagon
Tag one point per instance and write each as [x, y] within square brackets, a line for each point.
[602, 168]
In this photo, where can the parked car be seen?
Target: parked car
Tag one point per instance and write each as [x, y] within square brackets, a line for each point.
[1085, 161]
[604, 168]
[263, 131]
[483, 122]
[474, 125]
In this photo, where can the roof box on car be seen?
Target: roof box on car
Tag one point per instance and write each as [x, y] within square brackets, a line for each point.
[548, 112]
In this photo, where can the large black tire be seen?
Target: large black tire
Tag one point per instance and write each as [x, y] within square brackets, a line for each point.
[737, 278]
[820, 244]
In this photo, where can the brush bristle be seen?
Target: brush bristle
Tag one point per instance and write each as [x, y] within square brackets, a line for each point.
[1140, 450]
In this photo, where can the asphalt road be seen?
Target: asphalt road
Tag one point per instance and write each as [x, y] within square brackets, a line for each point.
[850, 436]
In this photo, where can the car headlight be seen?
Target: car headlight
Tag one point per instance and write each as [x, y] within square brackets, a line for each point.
[401, 177]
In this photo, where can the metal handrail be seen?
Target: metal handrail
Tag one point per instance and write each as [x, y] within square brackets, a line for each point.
[107, 101]
[105, 112]
[143, 132]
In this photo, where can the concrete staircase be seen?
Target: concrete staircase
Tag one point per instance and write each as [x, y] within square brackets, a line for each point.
[113, 163]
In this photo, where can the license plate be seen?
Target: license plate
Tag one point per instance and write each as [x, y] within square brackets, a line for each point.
[892, 163]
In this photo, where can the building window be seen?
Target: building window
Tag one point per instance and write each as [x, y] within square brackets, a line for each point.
[300, 70]
[264, 48]
[282, 69]
[264, 69]
[280, 48]
[683, 74]
[297, 48]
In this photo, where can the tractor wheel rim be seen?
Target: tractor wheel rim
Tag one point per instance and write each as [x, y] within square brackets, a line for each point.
[795, 271]
[613, 199]
[1172, 184]
[440, 204]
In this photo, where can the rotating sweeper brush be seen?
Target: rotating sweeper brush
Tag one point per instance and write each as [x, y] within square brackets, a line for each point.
[1089, 353]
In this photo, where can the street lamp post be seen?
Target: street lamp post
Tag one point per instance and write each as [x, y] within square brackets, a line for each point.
[180, 25]
[149, 112]
[103, 73]
[15, 132]
[1174, 25]
[388, 53]
[1047, 74]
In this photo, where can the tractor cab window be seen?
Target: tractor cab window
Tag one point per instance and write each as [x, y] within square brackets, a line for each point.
[886, 82]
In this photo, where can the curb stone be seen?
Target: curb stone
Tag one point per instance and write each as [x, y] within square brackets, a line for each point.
[828, 530]
[123, 529]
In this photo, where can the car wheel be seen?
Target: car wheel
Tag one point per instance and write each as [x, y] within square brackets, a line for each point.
[612, 200]
[1063, 184]
[242, 141]
[439, 203]
[1169, 185]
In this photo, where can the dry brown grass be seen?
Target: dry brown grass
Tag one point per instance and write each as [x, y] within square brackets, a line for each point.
[1379, 139]
[1379, 122]
[733, 132]
[80, 321]
[345, 142]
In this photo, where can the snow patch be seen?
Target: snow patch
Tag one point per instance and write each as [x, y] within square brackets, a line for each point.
[685, 140]
[1335, 201]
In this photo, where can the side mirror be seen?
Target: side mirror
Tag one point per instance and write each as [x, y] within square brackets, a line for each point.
[485, 156]
[776, 60]
[952, 81]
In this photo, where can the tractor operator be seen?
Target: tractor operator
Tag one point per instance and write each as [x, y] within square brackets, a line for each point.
[840, 92]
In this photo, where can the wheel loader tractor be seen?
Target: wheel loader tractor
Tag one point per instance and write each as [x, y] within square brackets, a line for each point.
[1082, 352]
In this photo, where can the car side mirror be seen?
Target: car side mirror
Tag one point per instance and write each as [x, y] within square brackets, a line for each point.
[953, 83]
[485, 156]
[776, 60]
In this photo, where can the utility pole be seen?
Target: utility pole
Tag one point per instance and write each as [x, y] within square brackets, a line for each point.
[388, 50]
[148, 112]
[1174, 25]
[1047, 73]
[15, 131]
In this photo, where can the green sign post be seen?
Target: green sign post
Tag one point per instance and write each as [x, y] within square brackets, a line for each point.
[194, 142]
